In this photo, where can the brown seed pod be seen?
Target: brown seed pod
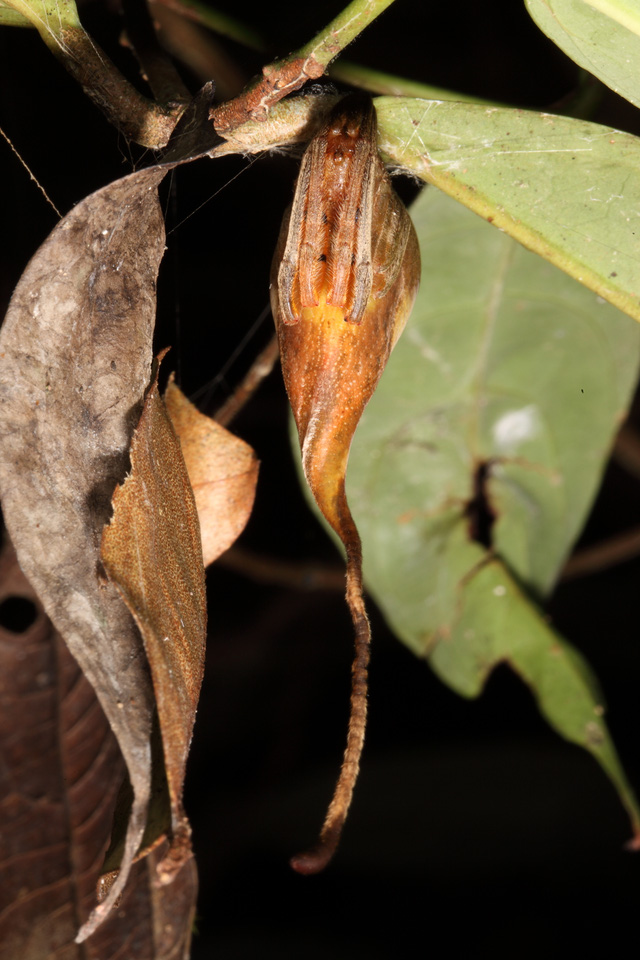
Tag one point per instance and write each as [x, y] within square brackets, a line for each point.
[344, 278]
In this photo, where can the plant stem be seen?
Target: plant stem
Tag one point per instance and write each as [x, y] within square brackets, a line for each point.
[134, 115]
[139, 119]
[601, 556]
[273, 570]
[200, 50]
[259, 369]
[283, 77]
[326, 46]
[215, 20]
[156, 66]
[375, 81]
[626, 451]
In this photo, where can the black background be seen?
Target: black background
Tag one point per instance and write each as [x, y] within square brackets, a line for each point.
[473, 826]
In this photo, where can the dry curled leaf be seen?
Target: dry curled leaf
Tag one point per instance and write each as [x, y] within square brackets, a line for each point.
[223, 471]
[151, 549]
[344, 278]
[75, 354]
[56, 813]
[158, 919]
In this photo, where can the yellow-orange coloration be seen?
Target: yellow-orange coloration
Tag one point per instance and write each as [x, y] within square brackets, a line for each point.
[344, 277]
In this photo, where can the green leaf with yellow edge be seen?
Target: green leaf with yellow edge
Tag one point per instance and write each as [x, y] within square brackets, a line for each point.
[508, 370]
[602, 36]
[567, 189]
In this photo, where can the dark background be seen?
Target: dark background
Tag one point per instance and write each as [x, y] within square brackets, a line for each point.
[473, 825]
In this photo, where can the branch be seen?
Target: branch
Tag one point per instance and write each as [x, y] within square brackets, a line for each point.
[272, 570]
[626, 451]
[156, 66]
[259, 369]
[215, 20]
[601, 556]
[139, 119]
[199, 50]
[283, 77]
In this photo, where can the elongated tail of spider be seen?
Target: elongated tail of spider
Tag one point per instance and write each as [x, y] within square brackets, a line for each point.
[344, 277]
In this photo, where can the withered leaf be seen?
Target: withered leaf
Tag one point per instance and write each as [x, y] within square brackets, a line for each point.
[344, 277]
[151, 549]
[75, 353]
[58, 783]
[153, 921]
[223, 471]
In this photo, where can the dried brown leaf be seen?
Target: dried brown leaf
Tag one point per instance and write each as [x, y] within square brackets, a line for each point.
[223, 471]
[151, 549]
[75, 353]
[344, 278]
[58, 783]
[153, 921]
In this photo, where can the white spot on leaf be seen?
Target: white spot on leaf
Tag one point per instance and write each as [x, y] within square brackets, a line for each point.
[516, 426]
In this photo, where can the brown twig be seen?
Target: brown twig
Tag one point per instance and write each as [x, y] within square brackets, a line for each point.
[601, 556]
[199, 50]
[259, 369]
[622, 546]
[272, 570]
[626, 451]
[137, 117]
[214, 20]
[283, 77]
[156, 66]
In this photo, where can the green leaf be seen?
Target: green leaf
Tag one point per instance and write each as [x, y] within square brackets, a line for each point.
[10, 17]
[565, 188]
[51, 18]
[602, 36]
[509, 364]
[495, 622]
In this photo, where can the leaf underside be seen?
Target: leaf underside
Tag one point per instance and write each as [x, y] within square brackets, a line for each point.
[604, 41]
[565, 188]
[508, 367]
